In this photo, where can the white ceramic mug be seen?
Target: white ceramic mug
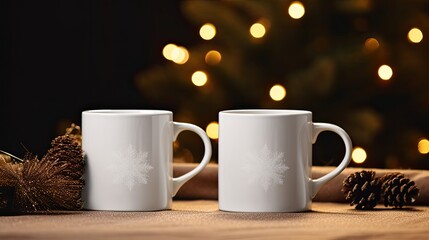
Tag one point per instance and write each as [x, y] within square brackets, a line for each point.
[265, 160]
[129, 159]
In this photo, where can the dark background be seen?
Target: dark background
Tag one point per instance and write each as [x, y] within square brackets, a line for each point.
[59, 58]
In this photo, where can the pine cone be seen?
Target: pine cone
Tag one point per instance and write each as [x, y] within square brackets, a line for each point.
[398, 191]
[363, 189]
[67, 154]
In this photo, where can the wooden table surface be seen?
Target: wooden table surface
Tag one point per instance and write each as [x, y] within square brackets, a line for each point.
[202, 220]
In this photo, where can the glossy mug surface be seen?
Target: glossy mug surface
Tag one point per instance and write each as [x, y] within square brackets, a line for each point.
[265, 160]
[129, 156]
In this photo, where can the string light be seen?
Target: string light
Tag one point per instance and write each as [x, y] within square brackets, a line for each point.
[199, 78]
[296, 10]
[385, 72]
[277, 92]
[358, 155]
[257, 30]
[213, 130]
[208, 31]
[415, 35]
[213, 57]
[371, 44]
[423, 146]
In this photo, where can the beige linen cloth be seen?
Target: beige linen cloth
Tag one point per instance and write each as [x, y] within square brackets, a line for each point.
[204, 185]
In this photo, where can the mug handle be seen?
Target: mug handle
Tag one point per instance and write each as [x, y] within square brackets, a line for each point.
[178, 128]
[318, 128]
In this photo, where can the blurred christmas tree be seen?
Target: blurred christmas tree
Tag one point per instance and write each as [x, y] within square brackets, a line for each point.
[360, 64]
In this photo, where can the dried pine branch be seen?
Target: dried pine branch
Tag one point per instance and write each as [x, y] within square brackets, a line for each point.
[53, 183]
[41, 186]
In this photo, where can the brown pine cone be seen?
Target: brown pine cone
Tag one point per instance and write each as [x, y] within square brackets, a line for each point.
[397, 190]
[362, 189]
[67, 154]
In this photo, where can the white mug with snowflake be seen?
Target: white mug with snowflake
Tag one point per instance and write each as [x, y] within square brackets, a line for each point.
[129, 155]
[265, 160]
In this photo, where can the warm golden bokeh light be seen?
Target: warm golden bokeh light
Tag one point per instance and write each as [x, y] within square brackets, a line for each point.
[208, 31]
[385, 72]
[199, 78]
[213, 130]
[371, 44]
[415, 35]
[296, 10]
[213, 57]
[180, 55]
[167, 51]
[177, 54]
[277, 92]
[358, 155]
[423, 146]
[257, 30]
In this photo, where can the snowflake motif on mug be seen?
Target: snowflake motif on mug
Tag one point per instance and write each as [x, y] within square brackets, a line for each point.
[266, 167]
[130, 167]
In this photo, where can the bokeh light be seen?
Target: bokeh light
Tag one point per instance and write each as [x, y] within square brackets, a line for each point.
[385, 72]
[167, 51]
[277, 92]
[257, 30]
[199, 78]
[213, 130]
[371, 44]
[213, 57]
[423, 146]
[415, 35]
[208, 31]
[296, 10]
[177, 54]
[358, 155]
[180, 55]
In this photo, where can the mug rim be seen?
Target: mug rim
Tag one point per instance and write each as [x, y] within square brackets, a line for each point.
[264, 112]
[126, 112]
